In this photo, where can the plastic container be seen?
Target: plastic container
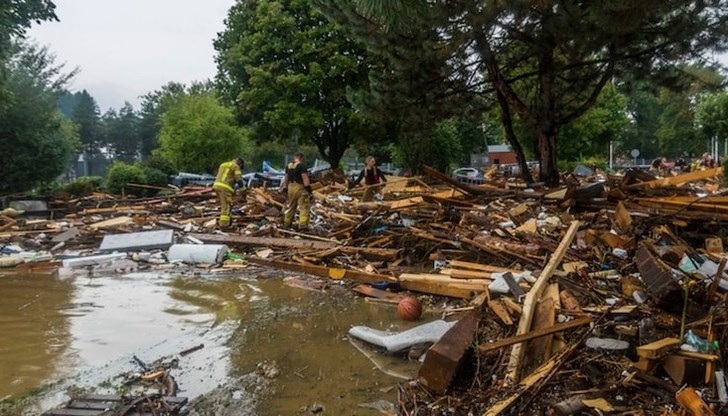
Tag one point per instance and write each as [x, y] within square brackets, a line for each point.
[699, 344]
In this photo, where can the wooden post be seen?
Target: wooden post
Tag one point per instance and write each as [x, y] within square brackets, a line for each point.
[524, 325]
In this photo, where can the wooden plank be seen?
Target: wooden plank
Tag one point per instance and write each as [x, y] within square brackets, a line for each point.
[111, 223]
[298, 244]
[679, 179]
[524, 324]
[622, 219]
[444, 358]
[539, 349]
[475, 284]
[497, 344]
[442, 289]
[483, 267]
[73, 412]
[406, 203]
[466, 274]
[500, 311]
[656, 349]
[334, 273]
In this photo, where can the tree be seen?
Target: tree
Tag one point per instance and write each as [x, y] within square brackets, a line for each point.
[549, 61]
[38, 142]
[712, 116]
[198, 133]
[153, 107]
[287, 69]
[589, 135]
[121, 133]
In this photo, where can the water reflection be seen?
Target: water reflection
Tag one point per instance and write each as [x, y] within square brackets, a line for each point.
[34, 330]
[88, 329]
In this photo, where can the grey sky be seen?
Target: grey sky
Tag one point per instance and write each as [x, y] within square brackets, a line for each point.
[126, 48]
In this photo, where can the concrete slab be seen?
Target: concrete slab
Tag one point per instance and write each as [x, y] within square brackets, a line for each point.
[147, 240]
[399, 341]
[31, 205]
[91, 260]
[66, 235]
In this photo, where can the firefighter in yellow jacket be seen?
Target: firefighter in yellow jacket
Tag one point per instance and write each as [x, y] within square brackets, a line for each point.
[297, 186]
[229, 180]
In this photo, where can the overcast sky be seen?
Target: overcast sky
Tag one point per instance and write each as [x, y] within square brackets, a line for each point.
[128, 48]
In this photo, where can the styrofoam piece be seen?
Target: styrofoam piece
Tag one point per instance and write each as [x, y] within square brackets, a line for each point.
[91, 260]
[398, 341]
[607, 344]
[195, 253]
[145, 240]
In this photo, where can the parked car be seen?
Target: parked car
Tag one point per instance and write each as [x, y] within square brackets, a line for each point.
[469, 175]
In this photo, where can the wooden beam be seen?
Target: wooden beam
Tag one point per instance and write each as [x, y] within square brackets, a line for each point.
[491, 346]
[299, 244]
[330, 272]
[679, 179]
[524, 325]
[444, 357]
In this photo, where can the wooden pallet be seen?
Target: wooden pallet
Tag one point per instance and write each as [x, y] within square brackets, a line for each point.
[106, 405]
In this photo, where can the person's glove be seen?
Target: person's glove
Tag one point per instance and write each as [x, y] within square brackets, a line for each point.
[309, 190]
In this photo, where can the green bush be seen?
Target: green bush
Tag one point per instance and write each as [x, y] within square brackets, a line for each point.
[120, 174]
[158, 162]
[154, 177]
[85, 185]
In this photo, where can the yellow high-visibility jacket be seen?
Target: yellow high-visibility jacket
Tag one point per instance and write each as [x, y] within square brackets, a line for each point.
[227, 174]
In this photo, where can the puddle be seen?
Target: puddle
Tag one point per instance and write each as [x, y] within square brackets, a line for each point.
[83, 332]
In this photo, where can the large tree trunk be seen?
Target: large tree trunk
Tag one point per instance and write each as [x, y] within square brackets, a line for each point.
[549, 172]
[507, 122]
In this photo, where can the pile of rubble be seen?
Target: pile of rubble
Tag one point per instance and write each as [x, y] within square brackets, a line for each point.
[604, 296]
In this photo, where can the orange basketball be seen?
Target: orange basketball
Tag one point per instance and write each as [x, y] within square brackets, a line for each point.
[409, 309]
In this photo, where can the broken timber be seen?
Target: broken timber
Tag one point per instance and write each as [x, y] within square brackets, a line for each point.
[102, 405]
[524, 325]
[372, 253]
[444, 357]
[330, 272]
[491, 346]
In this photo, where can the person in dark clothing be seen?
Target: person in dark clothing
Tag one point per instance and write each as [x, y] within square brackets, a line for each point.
[372, 176]
[297, 186]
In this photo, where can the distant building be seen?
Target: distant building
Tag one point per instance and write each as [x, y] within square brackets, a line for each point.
[501, 154]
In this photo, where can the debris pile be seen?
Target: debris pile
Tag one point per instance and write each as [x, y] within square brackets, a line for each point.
[606, 295]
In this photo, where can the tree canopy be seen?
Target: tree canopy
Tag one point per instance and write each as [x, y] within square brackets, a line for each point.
[198, 133]
[286, 69]
[38, 142]
[549, 61]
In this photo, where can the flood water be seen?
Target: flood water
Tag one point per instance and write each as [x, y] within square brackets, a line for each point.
[82, 332]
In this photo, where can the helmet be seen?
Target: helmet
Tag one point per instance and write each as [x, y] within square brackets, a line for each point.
[241, 162]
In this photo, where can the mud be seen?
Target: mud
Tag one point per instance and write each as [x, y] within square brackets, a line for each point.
[269, 348]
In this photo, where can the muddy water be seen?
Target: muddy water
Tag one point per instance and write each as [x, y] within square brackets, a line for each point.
[82, 332]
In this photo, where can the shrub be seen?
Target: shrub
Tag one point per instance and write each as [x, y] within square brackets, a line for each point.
[158, 162]
[85, 185]
[154, 177]
[120, 174]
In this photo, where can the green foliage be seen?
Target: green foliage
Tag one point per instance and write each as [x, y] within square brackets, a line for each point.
[83, 186]
[153, 106]
[590, 134]
[198, 133]
[121, 133]
[17, 16]
[440, 150]
[158, 162]
[712, 115]
[548, 62]
[287, 70]
[120, 174]
[154, 177]
[38, 143]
